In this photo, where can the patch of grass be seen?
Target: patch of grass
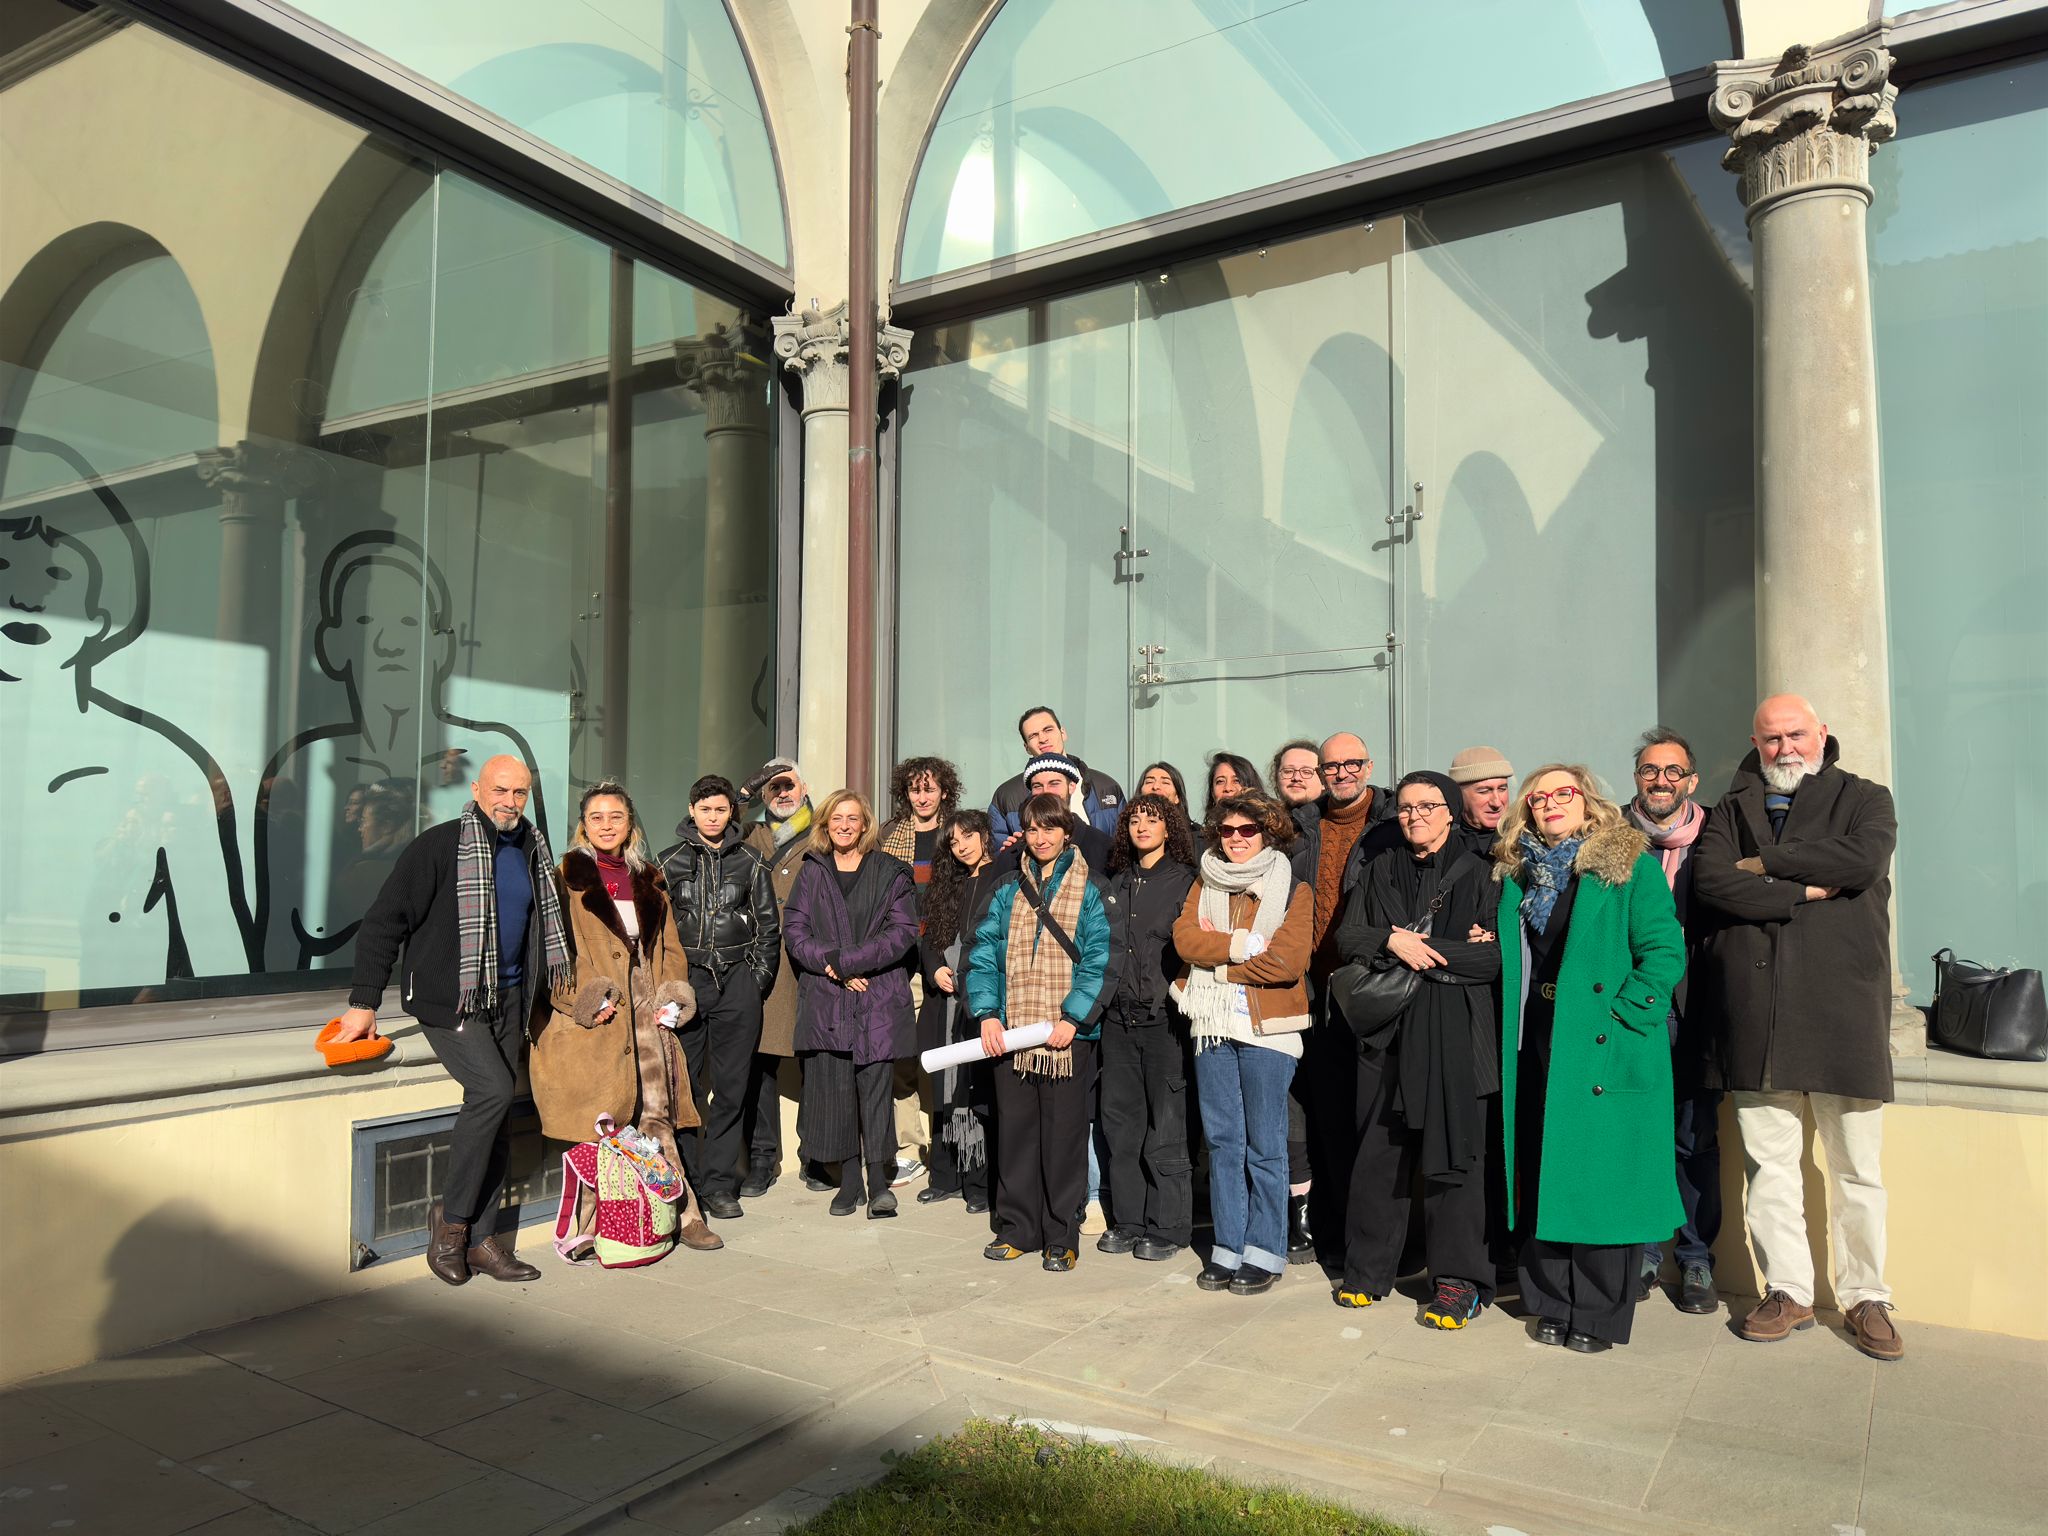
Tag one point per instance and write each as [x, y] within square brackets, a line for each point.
[1012, 1480]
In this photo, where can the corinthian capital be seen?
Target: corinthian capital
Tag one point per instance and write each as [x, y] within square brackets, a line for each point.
[282, 470]
[726, 368]
[1809, 122]
[814, 345]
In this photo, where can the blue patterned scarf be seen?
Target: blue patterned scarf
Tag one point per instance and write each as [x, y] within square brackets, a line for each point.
[1547, 871]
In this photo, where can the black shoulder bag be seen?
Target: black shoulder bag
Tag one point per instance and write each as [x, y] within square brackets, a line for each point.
[1372, 996]
[2000, 1015]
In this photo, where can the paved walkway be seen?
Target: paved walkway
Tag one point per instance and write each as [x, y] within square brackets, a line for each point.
[748, 1386]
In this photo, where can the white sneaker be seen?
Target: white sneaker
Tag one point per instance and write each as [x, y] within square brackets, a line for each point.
[1093, 1222]
[908, 1170]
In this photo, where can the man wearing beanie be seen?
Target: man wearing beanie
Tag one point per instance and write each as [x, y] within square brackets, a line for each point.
[1097, 799]
[1484, 779]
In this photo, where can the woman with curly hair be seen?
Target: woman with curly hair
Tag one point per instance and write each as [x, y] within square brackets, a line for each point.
[964, 881]
[1590, 948]
[1144, 1103]
[1244, 934]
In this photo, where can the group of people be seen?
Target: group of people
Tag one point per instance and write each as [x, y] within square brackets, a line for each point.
[1461, 1025]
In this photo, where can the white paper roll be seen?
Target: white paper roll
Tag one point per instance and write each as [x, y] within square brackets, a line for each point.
[966, 1052]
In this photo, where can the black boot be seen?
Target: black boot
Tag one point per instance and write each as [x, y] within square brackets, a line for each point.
[881, 1198]
[848, 1200]
[1301, 1242]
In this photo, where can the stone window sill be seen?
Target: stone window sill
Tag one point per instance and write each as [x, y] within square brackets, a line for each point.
[1945, 1079]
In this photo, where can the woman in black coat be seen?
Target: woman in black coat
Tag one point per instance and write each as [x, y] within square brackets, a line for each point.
[1439, 1060]
[964, 878]
[1143, 1107]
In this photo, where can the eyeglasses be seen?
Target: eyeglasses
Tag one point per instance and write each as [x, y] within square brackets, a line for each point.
[1297, 773]
[1420, 812]
[1670, 773]
[1347, 767]
[1237, 831]
[1563, 795]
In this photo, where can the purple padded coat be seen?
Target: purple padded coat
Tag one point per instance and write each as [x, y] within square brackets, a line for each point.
[872, 934]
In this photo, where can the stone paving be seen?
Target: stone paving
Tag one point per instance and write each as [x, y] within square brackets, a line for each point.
[742, 1388]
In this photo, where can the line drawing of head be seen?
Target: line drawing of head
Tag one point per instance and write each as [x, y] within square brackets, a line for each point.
[373, 637]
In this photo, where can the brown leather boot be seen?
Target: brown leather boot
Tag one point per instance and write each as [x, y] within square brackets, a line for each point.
[492, 1258]
[1776, 1317]
[699, 1236]
[1870, 1325]
[447, 1247]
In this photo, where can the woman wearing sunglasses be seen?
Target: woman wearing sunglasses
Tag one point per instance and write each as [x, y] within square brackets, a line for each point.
[1244, 934]
[1590, 950]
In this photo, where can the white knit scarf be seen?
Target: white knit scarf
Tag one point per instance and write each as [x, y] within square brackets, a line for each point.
[1209, 1001]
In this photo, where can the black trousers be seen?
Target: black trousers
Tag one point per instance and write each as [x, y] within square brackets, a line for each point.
[946, 1172]
[1589, 1287]
[1042, 1176]
[719, 1045]
[761, 1121]
[1382, 1194]
[482, 1055]
[1143, 1113]
[848, 1112]
[1339, 1082]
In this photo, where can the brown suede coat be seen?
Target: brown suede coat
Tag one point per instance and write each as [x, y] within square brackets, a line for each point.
[1273, 982]
[778, 1008]
[628, 1066]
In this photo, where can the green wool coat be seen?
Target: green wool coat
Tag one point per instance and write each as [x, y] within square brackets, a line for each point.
[1607, 1172]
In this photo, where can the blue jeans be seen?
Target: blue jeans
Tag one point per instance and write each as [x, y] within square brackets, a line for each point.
[1244, 1119]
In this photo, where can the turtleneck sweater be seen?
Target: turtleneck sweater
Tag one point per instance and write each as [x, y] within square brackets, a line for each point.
[1342, 826]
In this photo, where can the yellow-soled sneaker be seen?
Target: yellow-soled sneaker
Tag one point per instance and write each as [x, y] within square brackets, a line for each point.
[1456, 1303]
[1356, 1298]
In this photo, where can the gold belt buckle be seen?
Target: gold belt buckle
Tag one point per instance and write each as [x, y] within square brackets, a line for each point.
[1549, 990]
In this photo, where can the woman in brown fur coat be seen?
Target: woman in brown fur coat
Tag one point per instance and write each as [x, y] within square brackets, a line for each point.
[608, 1046]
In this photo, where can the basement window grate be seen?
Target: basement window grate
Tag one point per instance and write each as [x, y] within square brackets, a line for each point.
[400, 1165]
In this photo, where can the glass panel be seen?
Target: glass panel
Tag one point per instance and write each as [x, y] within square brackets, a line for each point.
[1959, 258]
[1073, 116]
[655, 93]
[1265, 454]
[304, 514]
[1016, 475]
[1578, 408]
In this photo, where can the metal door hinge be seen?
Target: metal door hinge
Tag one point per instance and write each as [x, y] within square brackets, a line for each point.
[1412, 513]
[1126, 554]
[1148, 674]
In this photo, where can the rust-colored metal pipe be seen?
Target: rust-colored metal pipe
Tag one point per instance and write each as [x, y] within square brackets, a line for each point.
[861, 89]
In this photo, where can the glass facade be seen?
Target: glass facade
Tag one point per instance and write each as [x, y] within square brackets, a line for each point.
[1563, 364]
[656, 93]
[320, 470]
[1959, 259]
[1072, 116]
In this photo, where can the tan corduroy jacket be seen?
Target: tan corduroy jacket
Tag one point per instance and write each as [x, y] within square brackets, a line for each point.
[1274, 982]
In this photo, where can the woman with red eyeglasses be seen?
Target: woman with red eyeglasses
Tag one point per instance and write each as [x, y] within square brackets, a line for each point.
[1590, 950]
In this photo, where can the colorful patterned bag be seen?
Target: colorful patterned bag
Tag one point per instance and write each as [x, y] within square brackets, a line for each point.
[635, 1192]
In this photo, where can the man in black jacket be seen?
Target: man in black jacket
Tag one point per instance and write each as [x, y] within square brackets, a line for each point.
[731, 928]
[1796, 861]
[473, 904]
[1094, 797]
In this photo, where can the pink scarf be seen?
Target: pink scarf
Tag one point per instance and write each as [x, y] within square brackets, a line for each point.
[1673, 843]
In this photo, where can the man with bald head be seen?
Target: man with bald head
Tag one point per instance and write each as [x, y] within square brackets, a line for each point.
[472, 903]
[1795, 973]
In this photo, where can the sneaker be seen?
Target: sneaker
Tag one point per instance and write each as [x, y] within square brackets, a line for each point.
[1348, 1298]
[1456, 1304]
[1776, 1317]
[1870, 1328]
[908, 1170]
[1696, 1291]
[1059, 1260]
[1116, 1240]
[1001, 1252]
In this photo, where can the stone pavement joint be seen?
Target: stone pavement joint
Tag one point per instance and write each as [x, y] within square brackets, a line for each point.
[743, 1389]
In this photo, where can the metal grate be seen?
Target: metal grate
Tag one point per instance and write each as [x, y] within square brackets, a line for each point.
[401, 1163]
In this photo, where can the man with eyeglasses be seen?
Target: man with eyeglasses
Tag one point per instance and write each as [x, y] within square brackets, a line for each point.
[1796, 863]
[780, 804]
[1297, 775]
[1484, 778]
[1665, 812]
[1350, 822]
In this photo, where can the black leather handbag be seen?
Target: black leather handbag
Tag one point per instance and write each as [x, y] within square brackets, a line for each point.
[2001, 1015]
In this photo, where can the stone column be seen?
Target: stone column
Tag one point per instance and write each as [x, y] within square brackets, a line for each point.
[724, 369]
[813, 346]
[1803, 130]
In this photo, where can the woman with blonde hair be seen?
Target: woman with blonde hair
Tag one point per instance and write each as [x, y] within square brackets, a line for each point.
[608, 1046]
[850, 925]
[1590, 951]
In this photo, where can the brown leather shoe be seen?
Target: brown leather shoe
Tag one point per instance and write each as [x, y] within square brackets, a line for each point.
[1776, 1317]
[490, 1257]
[447, 1247]
[1870, 1326]
[700, 1237]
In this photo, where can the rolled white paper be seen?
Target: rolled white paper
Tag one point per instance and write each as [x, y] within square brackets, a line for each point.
[966, 1052]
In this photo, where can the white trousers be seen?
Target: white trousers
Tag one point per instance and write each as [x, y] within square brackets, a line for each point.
[1852, 1136]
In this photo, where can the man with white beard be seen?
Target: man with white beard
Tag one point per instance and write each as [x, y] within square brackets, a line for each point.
[1796, 862]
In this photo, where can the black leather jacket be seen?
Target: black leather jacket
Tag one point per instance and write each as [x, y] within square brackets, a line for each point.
[726, 912]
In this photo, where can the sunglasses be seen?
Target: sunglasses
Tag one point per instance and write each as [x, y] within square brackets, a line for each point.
[1237, 831]
[1564, 794]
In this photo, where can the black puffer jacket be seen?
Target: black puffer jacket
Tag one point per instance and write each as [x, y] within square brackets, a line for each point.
[726, 913]
[1141, 953]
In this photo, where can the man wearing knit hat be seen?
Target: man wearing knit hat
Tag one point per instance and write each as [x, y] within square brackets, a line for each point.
[1483, 776]
[1097, 798]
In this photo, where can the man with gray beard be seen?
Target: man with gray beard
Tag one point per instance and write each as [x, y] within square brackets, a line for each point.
[1795, 863]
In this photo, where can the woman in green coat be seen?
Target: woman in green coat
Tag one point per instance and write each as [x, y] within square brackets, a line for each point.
[1590, 950]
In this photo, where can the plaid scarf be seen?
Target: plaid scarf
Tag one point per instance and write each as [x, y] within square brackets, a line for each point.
[476, 912]
[1038, 977]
